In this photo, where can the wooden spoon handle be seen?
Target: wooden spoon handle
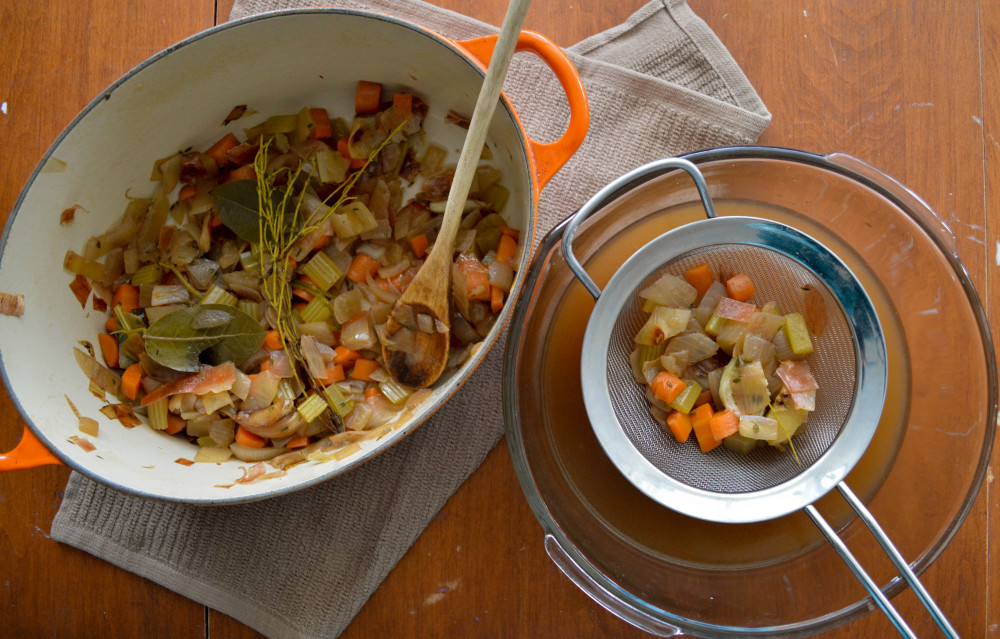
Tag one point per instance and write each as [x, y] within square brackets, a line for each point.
[482, 115]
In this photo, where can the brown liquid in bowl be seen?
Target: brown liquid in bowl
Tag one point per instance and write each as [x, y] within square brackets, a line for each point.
[626, 512]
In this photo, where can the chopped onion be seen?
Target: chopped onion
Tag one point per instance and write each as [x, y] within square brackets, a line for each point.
[358, 334]
[264, 416]
[425, 323]
[169, 294]
[759, 427]
[709, 301]
[320, 331]
[202, 272]
[749, 389]
[222, 432]
[281, 365]
[314, 359]
[501, 275]
[731, 309]
[697, 345]
[263, 389]
[213, 455]
[248, 454]
[670, 291]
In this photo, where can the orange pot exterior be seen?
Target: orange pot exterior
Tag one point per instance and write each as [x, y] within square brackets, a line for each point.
[28, 453]
[548, 157]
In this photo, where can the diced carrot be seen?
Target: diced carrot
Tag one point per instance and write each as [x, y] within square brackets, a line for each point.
[109, 349]
[248, 439]
[704, 398]
[302, 293]
[723, 424]
[343, 148]
[345, 356]
[175, 424]
[367, 97]
[477, 278]
[272, 341]
[739, 287]
[667, 386]
[512, 233]
[265, 364]
[363, 369]
[361, 267]
[334, 374]
[701, 418]
[218, 150]
[322, 128]
[131, 379]
[128, 296]
[680, 425]
[299, 441]
[214, 221]
[371, 391]
[111, 325]
[245, 172]
[187, 191]
[403, 102]
[496, 299]
[299, 307]
[506, 249]
[700, 277]
[420, 244]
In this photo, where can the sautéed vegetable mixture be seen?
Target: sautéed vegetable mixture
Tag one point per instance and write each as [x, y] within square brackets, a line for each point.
[246, 298]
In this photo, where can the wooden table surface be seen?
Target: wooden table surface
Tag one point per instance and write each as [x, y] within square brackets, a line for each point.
[907, 86]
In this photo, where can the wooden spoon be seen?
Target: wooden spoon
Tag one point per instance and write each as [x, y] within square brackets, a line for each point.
[429, 292]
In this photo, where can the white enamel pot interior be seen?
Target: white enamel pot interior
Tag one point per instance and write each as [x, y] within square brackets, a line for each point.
[274, 63]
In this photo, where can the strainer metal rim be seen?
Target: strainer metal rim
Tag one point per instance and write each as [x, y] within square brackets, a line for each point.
[841, 456]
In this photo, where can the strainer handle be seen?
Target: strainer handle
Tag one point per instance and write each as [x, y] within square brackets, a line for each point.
[614, 190]
[897, 559]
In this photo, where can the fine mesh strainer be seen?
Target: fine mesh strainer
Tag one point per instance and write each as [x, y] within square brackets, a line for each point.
[849, 363]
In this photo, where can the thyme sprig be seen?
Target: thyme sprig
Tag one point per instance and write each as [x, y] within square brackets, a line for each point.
[281, 226]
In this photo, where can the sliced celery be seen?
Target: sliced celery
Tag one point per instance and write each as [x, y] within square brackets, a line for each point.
[250, 307]
[338, 402]
[314, 406]
[280, 124]
[352, 219]
[148, 274]
[394, 392]
[739, 444]
[649, 352]
[797, 334]
[157, 413]
[317, 310]
[685, 401]
[322, 270]
[218, 295]
[250, 261]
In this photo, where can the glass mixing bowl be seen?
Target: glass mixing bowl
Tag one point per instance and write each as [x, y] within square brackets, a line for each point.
[668, 573]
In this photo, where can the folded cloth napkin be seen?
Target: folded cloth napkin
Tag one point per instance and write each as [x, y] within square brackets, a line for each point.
[661, 84]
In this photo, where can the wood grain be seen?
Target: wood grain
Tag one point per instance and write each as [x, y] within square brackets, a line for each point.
[908, 87]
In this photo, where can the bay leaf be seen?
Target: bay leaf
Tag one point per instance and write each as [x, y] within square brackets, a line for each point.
[239, 209]
[237, 206]
[182, 340]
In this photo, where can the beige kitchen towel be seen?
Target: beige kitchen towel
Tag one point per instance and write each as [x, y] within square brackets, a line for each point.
[659, 85]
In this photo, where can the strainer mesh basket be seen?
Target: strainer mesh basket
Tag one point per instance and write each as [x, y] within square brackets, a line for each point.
[776, 277]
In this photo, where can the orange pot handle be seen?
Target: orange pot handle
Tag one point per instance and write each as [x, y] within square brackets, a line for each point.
[549, 156]
[28, 453]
